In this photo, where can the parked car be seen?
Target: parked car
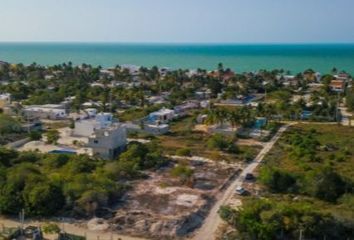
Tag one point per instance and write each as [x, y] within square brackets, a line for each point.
[240, 191]
[249, 176]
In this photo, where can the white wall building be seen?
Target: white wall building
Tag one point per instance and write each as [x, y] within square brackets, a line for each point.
[48, 111]
[156, 129]
[164, 115]
[106, 137]
[108, 143]
[87, 127]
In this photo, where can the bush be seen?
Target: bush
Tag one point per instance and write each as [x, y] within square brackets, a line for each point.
[52, 136]
[35, 135]
[222, 143]
[183, 172]
[277, 180]
[184, 152]
[325, 184]
[8, 125]
[50, 228]
[266, 219]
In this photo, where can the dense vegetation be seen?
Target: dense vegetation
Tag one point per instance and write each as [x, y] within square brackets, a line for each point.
[350, 99]
[273, 219]
[10, 129]
[318, 163]
[47, 184]
[308, 185]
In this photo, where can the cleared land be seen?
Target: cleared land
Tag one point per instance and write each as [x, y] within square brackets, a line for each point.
[170, 206]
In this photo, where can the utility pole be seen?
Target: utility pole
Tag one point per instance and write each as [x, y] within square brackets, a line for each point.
[22, 220]
[300, 237]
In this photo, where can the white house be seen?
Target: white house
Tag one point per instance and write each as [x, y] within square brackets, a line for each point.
[87, 127]
[108, 142]
[106, 137]
[91, 112]
[164, 115]
[156, 129]
[47, 111]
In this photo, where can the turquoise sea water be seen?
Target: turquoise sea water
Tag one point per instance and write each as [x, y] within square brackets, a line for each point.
[242, 57]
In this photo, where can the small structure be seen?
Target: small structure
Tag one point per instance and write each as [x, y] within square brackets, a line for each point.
[204, 104]
[47, 111]
[91, 112]
[182, 110]
[260, 122]
[203, 94]
[156, 129]
[5, 100]
[305, 115]
[164, 115]
[337, 86]
[87, 127]
[156, 100]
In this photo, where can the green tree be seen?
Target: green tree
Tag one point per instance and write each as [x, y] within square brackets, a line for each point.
[52, 136]
[35, 135]
[43, 199]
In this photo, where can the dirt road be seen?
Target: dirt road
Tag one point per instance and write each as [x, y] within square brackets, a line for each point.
[72, 229]
[211, 223]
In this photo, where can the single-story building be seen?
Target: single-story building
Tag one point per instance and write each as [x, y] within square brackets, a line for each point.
[164, 115]
[337, 85]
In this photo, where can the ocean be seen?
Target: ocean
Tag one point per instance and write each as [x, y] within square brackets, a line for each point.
[238, 57]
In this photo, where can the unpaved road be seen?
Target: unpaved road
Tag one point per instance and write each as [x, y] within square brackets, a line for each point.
[212, 222]
[72, 229]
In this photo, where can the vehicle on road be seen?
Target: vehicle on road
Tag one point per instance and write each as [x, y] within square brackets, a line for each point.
[249, 177]
[240, 191]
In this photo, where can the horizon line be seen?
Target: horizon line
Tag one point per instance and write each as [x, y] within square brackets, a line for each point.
[176, 43]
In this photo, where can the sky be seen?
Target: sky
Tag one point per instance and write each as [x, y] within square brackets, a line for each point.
[178, 21]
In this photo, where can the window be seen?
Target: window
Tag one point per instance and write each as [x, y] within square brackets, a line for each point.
[95, 141]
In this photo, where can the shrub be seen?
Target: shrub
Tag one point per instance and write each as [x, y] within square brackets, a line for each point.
[53, 136]
[35, 135]
[50, 228]
[222, 143]
[277, 180]
[184, 152]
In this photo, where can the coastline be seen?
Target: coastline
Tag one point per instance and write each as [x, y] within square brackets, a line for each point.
[238, 57]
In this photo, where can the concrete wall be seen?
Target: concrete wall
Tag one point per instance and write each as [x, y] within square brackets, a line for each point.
[18, 143]
[108, 143]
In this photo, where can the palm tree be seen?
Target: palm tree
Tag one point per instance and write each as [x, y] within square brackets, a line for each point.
[234, 118]
[211, 118]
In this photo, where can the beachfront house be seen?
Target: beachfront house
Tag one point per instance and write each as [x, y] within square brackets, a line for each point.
[337, 85]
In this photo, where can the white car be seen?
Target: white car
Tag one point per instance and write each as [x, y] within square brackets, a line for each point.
[240, 191]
